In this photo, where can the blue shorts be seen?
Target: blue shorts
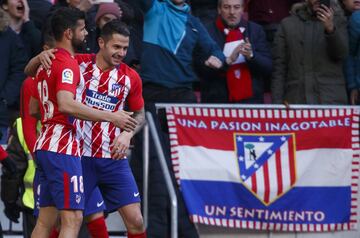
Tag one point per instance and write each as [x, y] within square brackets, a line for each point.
[61, 181]
[114, 179]
[94, 205]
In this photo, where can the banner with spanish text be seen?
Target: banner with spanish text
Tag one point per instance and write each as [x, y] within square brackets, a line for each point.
[277, 169]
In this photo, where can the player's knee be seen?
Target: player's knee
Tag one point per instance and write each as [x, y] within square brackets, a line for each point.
[72, 219]
[137, 223]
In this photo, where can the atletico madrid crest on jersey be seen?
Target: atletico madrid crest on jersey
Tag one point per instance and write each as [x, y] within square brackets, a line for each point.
[116, 89]
[266, 164]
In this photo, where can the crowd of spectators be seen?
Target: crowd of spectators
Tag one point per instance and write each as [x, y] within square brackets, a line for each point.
[231, 51]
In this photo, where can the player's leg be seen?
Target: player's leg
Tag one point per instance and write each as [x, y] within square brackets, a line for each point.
[119, 190]
[94, 215]
[70, 223]
[94, 202]
[45, 222]
[133, 220]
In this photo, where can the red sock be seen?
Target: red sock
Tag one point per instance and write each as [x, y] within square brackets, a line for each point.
[97, 228]
[142, 235]
[54, 233]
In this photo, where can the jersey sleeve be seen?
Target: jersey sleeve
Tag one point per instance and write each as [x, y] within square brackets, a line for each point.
[135, 99]
[67, 75]
[28, 122]
[84, 58]
[34, 91]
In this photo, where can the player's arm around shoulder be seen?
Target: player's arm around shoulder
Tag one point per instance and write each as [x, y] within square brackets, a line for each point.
[44, 58]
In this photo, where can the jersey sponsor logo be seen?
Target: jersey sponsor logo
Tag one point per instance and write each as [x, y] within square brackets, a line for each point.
[100, 101]
[67, 76]
[99, 204]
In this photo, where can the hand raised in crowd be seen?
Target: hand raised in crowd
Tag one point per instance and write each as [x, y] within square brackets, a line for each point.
[46, 58]
[213, 62]
[124, 120]
[85, 5]
[354, 95]
[26, 16]
[121, 145]
[245, 49]
[326, 16]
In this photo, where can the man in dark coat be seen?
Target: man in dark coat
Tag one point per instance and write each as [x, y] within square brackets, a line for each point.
[309, 49]
[12, 65]
[243, 80]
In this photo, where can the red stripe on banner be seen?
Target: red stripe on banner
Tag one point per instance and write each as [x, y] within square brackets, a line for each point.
[253, 183]
[66, 191]
[279, 173]
[291, 161]
[218, 132]
[266, 183]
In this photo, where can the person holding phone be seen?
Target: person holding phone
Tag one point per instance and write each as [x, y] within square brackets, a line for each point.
[309, 49]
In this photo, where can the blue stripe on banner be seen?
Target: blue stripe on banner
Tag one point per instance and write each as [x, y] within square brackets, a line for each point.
[303, 205]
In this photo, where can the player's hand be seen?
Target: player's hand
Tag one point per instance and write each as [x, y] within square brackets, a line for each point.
[120, 146]
[46, 58]
[213, 62]
[123, 120]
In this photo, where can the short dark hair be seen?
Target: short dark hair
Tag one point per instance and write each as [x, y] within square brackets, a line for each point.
[47, 36]
[114, 27]
[65, 18]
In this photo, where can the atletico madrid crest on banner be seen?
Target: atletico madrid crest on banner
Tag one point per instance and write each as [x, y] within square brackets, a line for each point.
[269, 158]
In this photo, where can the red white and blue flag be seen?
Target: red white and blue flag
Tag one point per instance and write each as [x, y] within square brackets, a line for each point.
[268, 169]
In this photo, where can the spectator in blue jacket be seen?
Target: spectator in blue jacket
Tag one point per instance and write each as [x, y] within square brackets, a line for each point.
[12, 63]
[352, 63]
[243, 80]
[171, 36]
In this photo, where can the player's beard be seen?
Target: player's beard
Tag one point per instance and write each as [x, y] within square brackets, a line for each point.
[77, 43]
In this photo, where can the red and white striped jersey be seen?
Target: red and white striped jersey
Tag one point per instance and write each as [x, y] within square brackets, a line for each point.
[58, 133]
[108, 90]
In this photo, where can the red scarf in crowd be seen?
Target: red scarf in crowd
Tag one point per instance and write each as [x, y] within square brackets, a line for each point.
[238, 74]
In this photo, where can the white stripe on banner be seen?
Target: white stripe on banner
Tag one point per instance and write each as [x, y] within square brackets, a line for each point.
[222, 166]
